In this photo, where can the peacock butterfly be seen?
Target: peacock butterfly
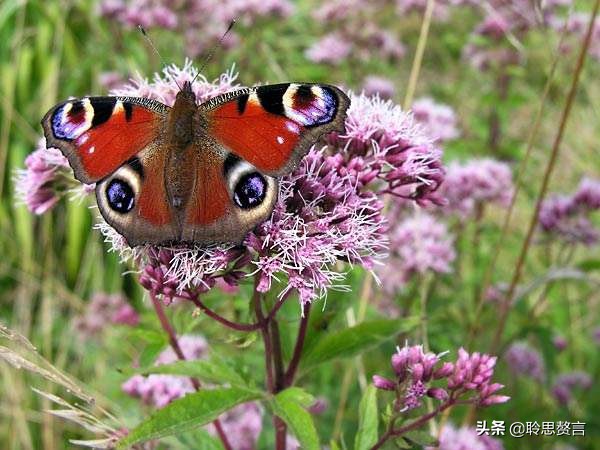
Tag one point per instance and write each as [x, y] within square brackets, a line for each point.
[192, 173]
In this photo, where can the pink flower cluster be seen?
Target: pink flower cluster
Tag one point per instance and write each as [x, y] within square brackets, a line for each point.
[242, 425]
[160, 390]
[565, 383]
[524, 360]
[381, 86]
[103, 310]
[40, 185]
[415, 369]
[568, 216]
[465, 438]
[476, 183]
[419, 243]
[438, 119]
[505, 23]
[357, 35]
[202, 22]
[327, 211]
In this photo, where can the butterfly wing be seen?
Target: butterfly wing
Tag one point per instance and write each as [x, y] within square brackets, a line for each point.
[272, 127]
[115, 143]
[253, 136]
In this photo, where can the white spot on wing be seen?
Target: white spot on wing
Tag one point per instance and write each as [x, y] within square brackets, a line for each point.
[280, 139]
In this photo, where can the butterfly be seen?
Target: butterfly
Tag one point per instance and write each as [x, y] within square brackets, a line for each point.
[192, 173]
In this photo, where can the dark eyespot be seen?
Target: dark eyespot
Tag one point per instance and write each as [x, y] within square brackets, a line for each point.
[120, 196]
[250, 190]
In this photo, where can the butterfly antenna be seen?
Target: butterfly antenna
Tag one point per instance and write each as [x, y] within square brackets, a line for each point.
[143, 31]
[214, 48]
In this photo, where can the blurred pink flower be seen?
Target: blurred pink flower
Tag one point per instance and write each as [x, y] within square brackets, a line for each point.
[465, 438]
[358, 34]
[522, 359]
[419, 243]
[438, 119]
[568, 216]
[242, 425]
[474, 184]
[493, 43]
[160, 390]
[102, 311]
[331, 49]
[565, 383]
[202, 22]
[381, 86]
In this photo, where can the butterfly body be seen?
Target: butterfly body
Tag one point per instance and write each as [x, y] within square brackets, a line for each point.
[194, 173]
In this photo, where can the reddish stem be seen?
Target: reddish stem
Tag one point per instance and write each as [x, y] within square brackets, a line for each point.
[166, 325]
[295, 361]
[228, 323]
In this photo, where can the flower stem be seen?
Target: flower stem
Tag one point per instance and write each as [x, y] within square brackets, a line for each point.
[416, 66]
[166, 325]
[280, 426]
[418, 423]
[222, 320]
[505, 306]
[295, 361]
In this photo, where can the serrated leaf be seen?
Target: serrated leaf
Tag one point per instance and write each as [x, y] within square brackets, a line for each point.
[368, 420]
[188, 412]
[354, 340]
[286, 406]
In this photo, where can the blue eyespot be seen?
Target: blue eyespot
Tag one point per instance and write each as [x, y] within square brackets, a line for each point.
[120, 196]
[250, 191]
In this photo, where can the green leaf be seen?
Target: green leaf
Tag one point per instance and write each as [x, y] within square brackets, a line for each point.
[188, 412]
[589, 265]
[354, 340]
[212, 370]
[290, 406]
[368, 420]
[421, 438]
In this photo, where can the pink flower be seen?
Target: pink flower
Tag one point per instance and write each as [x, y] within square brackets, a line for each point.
[474, 184]
[160, 390]
[565, 384]
[331, 49]
[242, 425]
[418, 244]
[415, 369]
[465, 438]
[202, 22]
[522, 359]
[374, 85]
[568, 216]
[102, 311]
[43, 182]
[439, 120]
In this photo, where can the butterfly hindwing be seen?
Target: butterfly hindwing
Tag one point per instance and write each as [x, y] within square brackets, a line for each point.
[229, 199]
[273, 126]
[134, 199]
[99, 134]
